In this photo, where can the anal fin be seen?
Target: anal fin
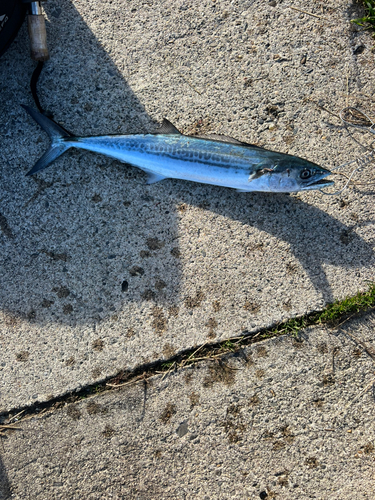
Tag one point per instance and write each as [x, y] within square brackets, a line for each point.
[153, 178]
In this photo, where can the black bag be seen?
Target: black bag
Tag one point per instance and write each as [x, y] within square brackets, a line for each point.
[12, 14]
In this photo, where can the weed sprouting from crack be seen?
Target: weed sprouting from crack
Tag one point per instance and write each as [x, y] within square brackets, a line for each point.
[334, 315]
[368, 20]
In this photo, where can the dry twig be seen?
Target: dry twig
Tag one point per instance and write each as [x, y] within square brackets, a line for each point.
[368, 351]
[10, 426]
[310, 14]
[191, 355]
[137, 379]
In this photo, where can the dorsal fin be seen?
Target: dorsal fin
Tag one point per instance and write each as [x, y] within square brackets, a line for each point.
[227, 139]
[220, 138]
[168, 128]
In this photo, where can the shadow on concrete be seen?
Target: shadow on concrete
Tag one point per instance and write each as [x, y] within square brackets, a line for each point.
[78, 246]
[5, 491]
[316, 238]
[92, 239]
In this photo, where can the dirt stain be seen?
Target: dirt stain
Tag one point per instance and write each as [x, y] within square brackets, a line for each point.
[194, 399]
[216, 305]
[173, 312]
[254, 400]
[168, 413]
[219, 373]
[160, 284]
[287, 433]
[211, 324]
[297, 343]
[22, 356]
[182, 207]
[47, 303]
[328, 379]
[346, 237]
[312, 462]
[192, 302]
[287, 305]
[233, 424]
[93, 408]
[154, 243]
[62, 292]
[96, 372]
[278, 445]
[5, 228]
[160, 322]
[70, 361]
[73, 412]
[148, 295]
[130, 333]
[98, 345]
[368, 448]
[56, 256]
[169, 351]
[188, 377]
[322, 348]
[175, 252]
[261, 352]
[10, 320]
[252, 307]
[67, 309]
[288, 139]
[318, 403]
[136, 271]
[108, 432]
[291, 268]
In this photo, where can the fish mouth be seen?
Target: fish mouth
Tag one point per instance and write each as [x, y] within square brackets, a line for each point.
[322, 182]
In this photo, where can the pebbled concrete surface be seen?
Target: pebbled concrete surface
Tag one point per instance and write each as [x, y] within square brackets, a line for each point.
[100, 272]
[281, 419]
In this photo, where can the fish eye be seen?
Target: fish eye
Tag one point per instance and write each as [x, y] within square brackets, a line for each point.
[305, 174]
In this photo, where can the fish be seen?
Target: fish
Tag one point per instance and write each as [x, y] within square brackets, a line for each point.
[168, 154]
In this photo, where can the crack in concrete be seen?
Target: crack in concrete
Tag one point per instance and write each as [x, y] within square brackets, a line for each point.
[215, 352]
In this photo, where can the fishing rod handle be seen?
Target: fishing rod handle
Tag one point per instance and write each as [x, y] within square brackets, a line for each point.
[37, 33]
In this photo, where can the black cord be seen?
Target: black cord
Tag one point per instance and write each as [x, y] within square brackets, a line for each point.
[34, 80]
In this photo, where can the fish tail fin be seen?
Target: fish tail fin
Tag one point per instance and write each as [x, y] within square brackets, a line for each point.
[57, 135]
[49, 156]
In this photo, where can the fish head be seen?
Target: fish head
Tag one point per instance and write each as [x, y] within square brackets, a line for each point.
[293, 174]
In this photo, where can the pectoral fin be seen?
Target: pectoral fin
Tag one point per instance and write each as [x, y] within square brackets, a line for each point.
[262, 170]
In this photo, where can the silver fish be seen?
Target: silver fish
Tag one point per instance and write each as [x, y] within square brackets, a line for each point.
[216, 160]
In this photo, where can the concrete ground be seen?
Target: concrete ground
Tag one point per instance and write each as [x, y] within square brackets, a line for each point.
[280, 419]
[102, 273]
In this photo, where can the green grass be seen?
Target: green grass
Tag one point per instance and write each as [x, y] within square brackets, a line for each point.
[339, 309]
[228, 345]
[368, 20]
[332, 315]
[166, 365]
